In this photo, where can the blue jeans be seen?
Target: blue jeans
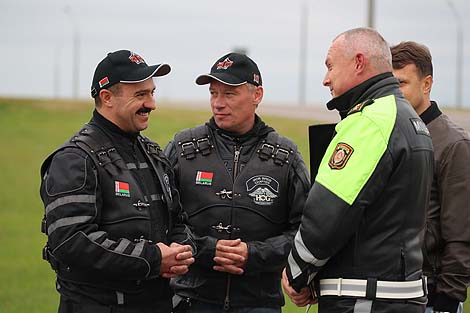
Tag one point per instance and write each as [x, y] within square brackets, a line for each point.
[203, 307]
[430, 309]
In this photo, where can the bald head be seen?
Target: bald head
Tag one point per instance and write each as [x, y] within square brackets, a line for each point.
[369, 42]
[355, 56]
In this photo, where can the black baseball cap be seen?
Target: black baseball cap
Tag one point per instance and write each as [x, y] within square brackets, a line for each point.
[233, 69]
[124, 66]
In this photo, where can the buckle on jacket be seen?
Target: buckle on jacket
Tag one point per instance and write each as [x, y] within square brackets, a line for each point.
[281, 156]
[225, 194]
[204, 145]
[188, 150]
[229, 228]
[266, 151]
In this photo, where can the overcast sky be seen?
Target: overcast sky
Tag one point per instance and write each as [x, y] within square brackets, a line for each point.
[36, 41]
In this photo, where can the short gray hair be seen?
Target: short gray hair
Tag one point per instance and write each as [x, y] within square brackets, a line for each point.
[251, 87]
[371, 43]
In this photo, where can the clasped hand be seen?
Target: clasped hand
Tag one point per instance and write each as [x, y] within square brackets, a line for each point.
[176, 259]
[231, 256]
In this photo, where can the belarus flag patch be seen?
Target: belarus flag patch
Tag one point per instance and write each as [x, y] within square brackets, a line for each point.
[103, 82]
[122, 189]
[204, 178]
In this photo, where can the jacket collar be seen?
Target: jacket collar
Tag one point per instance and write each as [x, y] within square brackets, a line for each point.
[357, 94]
[431, 113]
[110, 128]
[259, 129]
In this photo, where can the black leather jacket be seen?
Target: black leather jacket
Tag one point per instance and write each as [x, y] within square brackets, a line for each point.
[365, 214]
[109, 198]
[255, 187]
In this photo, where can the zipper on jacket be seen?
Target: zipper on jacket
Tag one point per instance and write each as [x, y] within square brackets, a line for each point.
[236, 158]
[227, 294]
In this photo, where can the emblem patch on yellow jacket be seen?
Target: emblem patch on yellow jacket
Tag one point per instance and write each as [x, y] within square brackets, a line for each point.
[340, 156]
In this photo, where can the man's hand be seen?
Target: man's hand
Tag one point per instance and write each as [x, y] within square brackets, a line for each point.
[176, 259]
[301, 298]
[231, 256]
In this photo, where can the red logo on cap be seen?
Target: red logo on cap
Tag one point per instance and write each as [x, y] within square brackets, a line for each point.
[134, 57]
[225, 64]
[256, 78]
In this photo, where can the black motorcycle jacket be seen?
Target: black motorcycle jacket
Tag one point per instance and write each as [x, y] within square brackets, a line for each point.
[365, 215]
[109, 198]
[251, 187]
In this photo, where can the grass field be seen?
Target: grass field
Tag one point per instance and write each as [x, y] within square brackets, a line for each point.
[29, 131]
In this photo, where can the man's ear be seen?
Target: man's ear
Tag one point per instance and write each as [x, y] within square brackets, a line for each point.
[105, 96]
[258, 95]
[427, 84]
[360, 62]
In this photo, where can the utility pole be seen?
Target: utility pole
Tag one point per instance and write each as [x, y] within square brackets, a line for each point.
[459, 56]
[75, 52]
[370, 14]
[303, 54]
[56, 78]
[241, 50]
[76, 62]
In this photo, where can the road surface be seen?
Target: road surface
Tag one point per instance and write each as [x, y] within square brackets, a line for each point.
[318, 112]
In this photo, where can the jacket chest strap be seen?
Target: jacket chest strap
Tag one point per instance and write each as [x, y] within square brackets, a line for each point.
[201, 145]
[279, 155]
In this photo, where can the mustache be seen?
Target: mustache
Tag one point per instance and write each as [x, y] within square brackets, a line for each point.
[144, 110]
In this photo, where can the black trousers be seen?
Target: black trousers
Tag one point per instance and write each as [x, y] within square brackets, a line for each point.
[68, 305]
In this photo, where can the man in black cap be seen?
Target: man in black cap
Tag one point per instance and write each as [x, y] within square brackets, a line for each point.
[112, 214]
[243, 187]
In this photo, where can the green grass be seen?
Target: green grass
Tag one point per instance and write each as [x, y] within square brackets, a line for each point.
[29, 131]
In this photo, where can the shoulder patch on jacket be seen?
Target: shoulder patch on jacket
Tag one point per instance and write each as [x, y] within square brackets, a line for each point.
[340, 156]
[420, 127]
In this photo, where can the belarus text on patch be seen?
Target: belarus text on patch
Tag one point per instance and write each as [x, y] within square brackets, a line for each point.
[204, 178]
[121, 189]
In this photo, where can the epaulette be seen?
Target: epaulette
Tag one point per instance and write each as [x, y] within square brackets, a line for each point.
[360, 106]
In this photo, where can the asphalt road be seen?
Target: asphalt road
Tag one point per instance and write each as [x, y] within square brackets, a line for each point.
[317, 113]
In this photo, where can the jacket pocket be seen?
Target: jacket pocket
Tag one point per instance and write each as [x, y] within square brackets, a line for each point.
[431, 251]
[403, 263]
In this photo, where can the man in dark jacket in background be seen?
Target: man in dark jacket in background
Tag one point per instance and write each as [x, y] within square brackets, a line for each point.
[359, 243]
[112, 212]
[243, 187]
[447, 240]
